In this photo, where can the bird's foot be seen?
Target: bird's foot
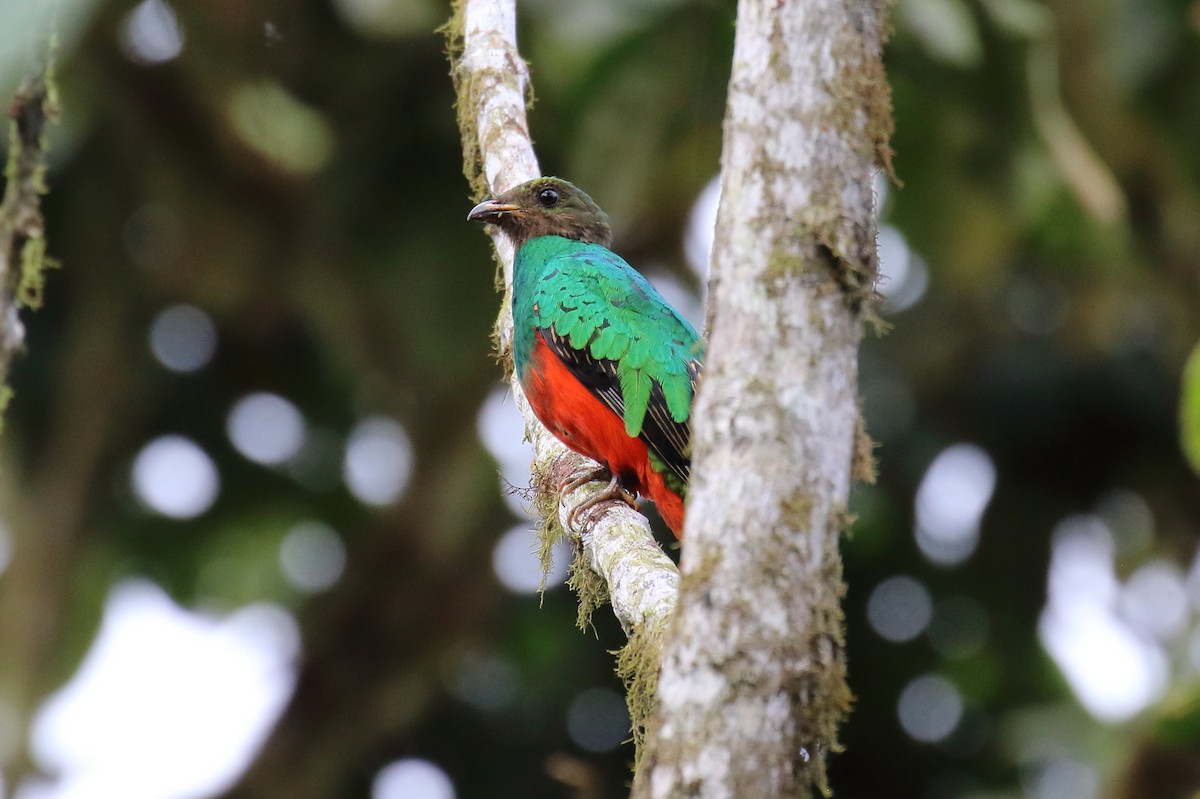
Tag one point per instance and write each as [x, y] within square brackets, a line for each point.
[614, 490]
[599, 473]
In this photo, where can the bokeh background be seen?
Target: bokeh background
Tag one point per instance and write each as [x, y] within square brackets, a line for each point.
[264, 527]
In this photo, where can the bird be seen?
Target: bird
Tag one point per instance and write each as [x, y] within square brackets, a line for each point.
[608, 366]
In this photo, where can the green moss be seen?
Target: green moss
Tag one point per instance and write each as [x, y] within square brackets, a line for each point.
[590, 589]
[6, 395]
[545, 503]
[638, 665]
[821, 695]
[35, 107]
[796, 511]
[1189, 410]
[863, 466]
[843, 520]
[22, 229]
[467, 94]
[781, 264]
[34, 262]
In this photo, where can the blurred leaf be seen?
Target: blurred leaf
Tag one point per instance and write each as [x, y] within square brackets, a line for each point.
[1021, 17]
[292, 135]
[946, 28]
[1189, 416]
[1178, 721]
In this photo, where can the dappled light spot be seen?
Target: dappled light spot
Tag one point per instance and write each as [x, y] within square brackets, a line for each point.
[265, 428]
[1154, 600]
[274, 123]
[173, 476]
[1114, 671]
[1129, 518]
[378, 461]
[183, 338]
[946, 28]
[483, 679]
[5, 547]
[167, 702]
[951, 499]
[312, 557]
[959, 627]
[881, 188]
[903, 276]
[150, 33]
[1192, 583]
[516, 563]
[390, 17]
[501, 428]
[899, 608]
[930, 708]
[701, 229]
[598, 720]
[1061, 778]
[412, 778]
[502, 431]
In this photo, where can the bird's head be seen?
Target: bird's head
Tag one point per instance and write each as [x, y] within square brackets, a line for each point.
[545, 207]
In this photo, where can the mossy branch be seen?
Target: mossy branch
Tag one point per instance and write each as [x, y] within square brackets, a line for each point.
[616, 554]
[23, 258]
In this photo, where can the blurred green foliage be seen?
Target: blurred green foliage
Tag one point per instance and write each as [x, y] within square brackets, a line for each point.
[1189, 413]
[294, 171]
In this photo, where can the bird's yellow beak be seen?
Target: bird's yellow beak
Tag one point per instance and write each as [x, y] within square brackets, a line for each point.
[492, 211]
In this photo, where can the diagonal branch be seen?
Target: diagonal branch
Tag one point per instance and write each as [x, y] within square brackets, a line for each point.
[491, 81]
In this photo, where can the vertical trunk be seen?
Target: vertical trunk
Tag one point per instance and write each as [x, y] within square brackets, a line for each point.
[753, 677]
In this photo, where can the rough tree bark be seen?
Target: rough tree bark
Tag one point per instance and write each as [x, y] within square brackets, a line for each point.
[753, 671]
[491, 81]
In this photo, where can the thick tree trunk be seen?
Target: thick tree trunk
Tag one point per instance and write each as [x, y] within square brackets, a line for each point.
[753, 676]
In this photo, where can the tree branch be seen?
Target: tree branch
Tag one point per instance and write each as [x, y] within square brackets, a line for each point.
[753, 677]
[491, 81]
[22, 231]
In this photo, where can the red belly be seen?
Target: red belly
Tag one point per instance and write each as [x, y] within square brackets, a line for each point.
[588, 426]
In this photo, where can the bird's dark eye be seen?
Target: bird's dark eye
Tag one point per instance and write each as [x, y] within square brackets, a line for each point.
[548, 197]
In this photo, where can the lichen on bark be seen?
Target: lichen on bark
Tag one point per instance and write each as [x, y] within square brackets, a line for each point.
[23, 248]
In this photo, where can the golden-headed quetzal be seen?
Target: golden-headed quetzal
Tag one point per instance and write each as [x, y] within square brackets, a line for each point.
[608, 366]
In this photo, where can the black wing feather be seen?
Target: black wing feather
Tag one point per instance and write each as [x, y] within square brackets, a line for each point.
[670, 440]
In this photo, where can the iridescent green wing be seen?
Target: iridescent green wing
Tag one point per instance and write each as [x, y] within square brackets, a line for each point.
[622, 341]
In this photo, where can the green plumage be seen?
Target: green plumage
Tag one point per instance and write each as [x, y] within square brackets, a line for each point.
[607, 365]
[590, 296]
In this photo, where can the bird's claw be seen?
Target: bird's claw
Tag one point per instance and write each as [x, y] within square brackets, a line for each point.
[599, 473]
[614, 490]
